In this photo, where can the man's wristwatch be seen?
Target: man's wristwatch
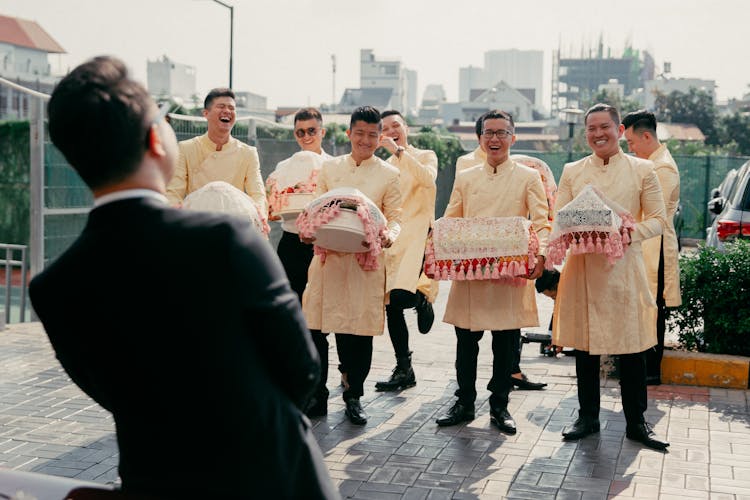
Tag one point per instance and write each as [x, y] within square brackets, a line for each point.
[399, 150]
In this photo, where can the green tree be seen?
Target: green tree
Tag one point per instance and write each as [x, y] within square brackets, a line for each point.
[623, 104]
[735, 133]
[695, 106]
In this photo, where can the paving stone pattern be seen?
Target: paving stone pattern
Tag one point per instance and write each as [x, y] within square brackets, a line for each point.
[49, 426]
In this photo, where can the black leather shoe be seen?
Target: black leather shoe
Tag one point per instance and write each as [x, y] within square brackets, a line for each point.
[401, 378]
[502, 419]
[318, 407]
[457, 414]
[425, 314]
[354, 411]
[582, 427]
[644, 434]
[525, 384]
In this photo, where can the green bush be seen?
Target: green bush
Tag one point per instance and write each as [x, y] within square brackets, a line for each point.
[715, 312]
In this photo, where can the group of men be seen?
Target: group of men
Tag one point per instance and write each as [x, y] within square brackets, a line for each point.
[171, 305]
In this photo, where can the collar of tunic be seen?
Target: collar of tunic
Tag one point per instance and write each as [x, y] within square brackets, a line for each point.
[505, 166]
[614, 159]
[210, 145]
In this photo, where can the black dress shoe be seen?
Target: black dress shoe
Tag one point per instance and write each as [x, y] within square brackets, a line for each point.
[425, 314]
[582, 427]
[644, 434]
[354, 411]
[525, 384]
[502, 419]
[457, 414]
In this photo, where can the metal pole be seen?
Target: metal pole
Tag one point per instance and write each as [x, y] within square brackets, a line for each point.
[231, 44]
[36, 196]
[8, 272]
[706, 191]
[571, 131]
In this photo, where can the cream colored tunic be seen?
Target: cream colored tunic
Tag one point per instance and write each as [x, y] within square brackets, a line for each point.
[669, 178]
[403, 261]
[607, 308]
[341, 297]
[515, 190]
[476, 157]
[199, 163]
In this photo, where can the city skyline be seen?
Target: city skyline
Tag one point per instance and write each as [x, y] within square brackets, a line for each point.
[283, 49]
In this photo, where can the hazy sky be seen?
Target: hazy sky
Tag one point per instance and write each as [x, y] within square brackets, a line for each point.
[282, 48]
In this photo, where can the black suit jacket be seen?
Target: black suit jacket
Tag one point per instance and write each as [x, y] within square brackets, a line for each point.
[183, 325]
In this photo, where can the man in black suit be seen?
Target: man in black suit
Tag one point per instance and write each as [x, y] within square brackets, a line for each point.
[182, 324]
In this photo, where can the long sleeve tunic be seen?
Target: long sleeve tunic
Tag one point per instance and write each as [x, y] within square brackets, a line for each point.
[514, 190]
[669, 178]
[199, 163]
[403, 261]
[607, 308]
[340, 296]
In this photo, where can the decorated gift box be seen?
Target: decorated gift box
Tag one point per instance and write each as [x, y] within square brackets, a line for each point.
[342, 220]
[590, 224]
[220, 196]
[499, 249]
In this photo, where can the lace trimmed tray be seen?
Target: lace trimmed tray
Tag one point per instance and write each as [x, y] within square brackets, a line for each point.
[501, 249]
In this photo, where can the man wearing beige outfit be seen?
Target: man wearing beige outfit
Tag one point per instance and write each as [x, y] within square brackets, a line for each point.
[499, 187]
[217, 156]
[406, 286]
[661, 254]
[604, 308]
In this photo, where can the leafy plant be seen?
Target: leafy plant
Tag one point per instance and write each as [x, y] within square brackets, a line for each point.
[715, 312]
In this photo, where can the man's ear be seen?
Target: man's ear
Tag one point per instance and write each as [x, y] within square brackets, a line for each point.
[322, 132]
[154, 142]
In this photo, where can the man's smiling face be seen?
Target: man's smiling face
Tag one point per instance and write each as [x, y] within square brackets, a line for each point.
[221, 114]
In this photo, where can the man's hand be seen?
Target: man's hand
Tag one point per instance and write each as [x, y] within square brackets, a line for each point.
[538, 268]
[307, 241]
[385, 240]
[388, 143]
[273, 217]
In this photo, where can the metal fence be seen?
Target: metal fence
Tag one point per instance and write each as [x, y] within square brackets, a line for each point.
[60, 201]
[13, 266]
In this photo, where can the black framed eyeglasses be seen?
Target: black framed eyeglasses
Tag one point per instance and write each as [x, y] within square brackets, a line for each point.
[300, 132]
[500, 134]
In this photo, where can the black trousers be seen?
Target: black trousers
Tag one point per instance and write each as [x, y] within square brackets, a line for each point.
[321, 345]
[503, 352]
[295, 256]
[632, 385]
[394, 312]
[655, 355]
[355, 353]
[517, 346]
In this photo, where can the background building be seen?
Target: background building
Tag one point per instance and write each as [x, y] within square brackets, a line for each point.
[24, 50]
[167, 78]
[668, 85]
[389, 74]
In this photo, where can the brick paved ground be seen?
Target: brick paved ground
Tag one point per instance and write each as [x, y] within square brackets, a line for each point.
[47, 425]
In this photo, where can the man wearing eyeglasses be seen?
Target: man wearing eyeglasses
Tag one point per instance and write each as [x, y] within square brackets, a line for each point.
[217, 156]
[499, 187]
[407, 287]
[476, 157]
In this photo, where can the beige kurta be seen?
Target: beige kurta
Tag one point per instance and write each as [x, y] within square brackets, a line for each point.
[476, 157]
[607, 308]
[669, 178]
[199, 163]
[341, 297]
[515, 190]
[403, 261]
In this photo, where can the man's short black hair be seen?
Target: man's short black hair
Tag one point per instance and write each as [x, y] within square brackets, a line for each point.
[99, 119]
[598, 108]
[497, 114]
[217, 92]
[304, 114]
[391, 112]
[548, 280]
[479, 125]
[366, 114]
[641, 121]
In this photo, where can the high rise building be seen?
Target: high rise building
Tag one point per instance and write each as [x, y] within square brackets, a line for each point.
[521, 69]
[390, 74]
[167, 78]
[471, 78]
